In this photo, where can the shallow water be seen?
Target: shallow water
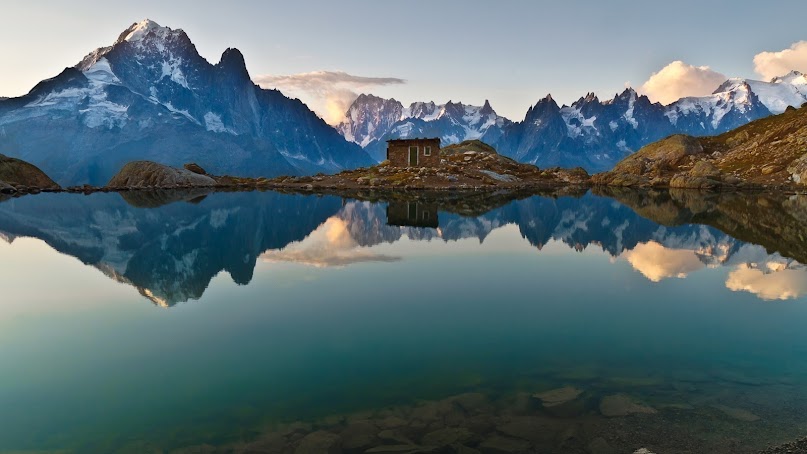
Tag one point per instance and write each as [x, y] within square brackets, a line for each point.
[247, 321]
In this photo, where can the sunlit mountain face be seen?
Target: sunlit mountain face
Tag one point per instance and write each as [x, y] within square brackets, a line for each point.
[207, 322]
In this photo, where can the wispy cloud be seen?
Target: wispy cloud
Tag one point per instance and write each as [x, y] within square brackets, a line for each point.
[773, 64]
[678, 80]
[328, 93]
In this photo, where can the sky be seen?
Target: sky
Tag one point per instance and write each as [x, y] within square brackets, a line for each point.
[509, 52]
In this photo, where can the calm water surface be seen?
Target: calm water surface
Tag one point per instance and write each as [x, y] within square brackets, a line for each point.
[245, 322]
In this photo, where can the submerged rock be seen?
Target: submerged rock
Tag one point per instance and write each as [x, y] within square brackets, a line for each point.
[398, 449]
[737, 413]
[448, 436]
[360, 434]
[562, 402]
[530, 428]
[622, 405]
[558, 396]
[147, 174]
[600, 446]
[319, 442]
[504, 445]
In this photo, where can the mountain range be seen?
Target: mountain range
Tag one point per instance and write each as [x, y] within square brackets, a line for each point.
[150, 95]
[590, 133]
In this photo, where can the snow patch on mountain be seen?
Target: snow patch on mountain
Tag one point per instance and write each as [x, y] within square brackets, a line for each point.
[213, 123]
[778, 94]
[172, 69]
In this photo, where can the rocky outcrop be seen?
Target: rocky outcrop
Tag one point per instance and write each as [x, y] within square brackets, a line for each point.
[650, 165]
[19, 176]
[147, 174]
[470, 165]
[771, 152]
[798, 170]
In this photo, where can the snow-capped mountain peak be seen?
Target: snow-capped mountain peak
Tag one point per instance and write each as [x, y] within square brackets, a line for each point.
[371, 120]
[792, 78]
[152, 88]
[776, 95]
[138, 31]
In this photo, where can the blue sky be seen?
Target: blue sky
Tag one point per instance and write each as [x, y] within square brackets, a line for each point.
[510, 52]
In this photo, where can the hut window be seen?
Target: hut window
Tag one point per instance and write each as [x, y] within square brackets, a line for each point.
[427, 151]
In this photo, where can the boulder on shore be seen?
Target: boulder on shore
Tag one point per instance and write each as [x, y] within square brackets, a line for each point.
[147, 174]
[17, 173]
[195, 168]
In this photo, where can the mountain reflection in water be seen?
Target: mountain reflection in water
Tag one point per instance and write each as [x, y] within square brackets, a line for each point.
[170, 245]
[396, 320]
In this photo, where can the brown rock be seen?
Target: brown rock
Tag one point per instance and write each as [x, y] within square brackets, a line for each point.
[195, 168]
[6, 188]
[798, 170]
[704, 169]
[600, 446]
[531, 428]
[622, 405]
[359, 435]
[396, 449]
[319, 442]
[448, 436]
[147, 174]
[16, 172]
[737, 413]
[503, 445]
[558, 396]
[394, 437]
[562, 402]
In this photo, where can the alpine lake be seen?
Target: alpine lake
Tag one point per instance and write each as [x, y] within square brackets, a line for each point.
[600, 321]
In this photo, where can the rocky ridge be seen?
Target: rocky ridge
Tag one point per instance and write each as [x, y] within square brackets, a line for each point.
[770, 152]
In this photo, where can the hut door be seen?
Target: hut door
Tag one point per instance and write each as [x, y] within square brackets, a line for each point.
[413, 156]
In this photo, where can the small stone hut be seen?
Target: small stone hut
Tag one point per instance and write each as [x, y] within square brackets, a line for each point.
[412, 214]
[414, 152]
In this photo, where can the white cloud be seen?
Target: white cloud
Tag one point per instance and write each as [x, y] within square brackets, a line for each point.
[773, 64]
[678, 80]
[330, 245]
[328, 93]
[657, 262]
[769, 283]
